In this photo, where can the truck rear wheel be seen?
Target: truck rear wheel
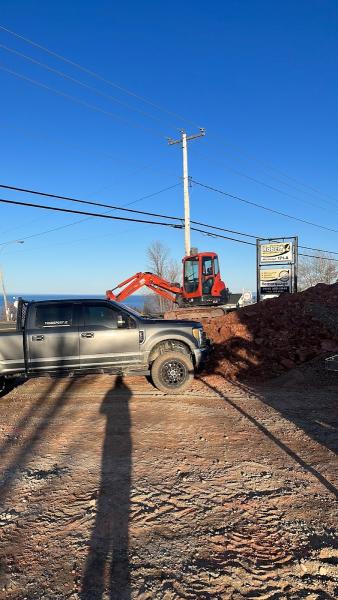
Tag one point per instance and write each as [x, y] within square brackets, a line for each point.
[3, 385]
[172, 372]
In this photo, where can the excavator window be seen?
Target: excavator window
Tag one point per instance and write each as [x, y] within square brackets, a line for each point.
[216, 266]
[207, 266]
[191, 279]
[207, 275]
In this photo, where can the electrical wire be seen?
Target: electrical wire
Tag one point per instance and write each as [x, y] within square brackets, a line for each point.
[142, 212]
[217, 235]
[79, 201]
[78, 82]
[266, 185]
[96, 75]
[98, 109]
[129, 92]
[80, 212]
[272, 210]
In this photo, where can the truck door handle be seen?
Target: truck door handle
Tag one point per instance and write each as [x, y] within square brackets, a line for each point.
[87, 334]
[38, 338]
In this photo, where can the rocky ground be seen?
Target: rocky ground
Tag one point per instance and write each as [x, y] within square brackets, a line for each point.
[112, 490]
[277, 335]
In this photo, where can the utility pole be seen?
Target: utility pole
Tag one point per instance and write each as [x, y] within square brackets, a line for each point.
[2, 282]
[4, 295]
[184, 139]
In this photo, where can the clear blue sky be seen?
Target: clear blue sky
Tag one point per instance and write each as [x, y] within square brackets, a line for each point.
[260, 76]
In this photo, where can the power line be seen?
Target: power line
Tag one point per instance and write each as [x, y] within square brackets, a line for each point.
[80, 212]
[142, 212]
[112, 98]
[267, 185]
[266, 166]
[28, 237]
[320, 257]
[129, 92]
[96, 75]
[272, 210]
[79, 201]
[77, 100]
[217, 235]
[105, 216]
[77, 81]
[256, 237]
[86, 150]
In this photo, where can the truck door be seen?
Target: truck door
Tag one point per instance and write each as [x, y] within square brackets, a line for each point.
[108, 337]
[52, 337]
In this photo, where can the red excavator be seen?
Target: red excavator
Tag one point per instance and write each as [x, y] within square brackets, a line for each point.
[202, 287]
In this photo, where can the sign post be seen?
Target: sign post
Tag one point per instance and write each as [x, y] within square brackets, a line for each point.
[277, 266]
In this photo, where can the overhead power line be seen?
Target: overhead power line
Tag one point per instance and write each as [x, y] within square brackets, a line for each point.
[269, 186]
[78, 82]
[80, 201]
[81, 212]
[115, 218]
[269, 167]
[141, 212]
[163, 109]
[98, 109]
[217, 235]
[95, 75]
[257, 205]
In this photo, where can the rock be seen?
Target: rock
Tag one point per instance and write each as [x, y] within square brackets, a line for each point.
[329, 345]
[288, 363]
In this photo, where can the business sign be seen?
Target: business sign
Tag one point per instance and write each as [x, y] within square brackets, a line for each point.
[275, 281]
[277, 260]
[276, 252]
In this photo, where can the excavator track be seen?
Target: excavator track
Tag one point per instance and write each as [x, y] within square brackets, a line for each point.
[196, 313]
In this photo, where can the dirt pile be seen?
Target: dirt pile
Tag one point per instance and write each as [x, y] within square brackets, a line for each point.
[276, 335]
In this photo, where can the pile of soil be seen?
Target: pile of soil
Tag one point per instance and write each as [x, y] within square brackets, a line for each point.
[274, 336]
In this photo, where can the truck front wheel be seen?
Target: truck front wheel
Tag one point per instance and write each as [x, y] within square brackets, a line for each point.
[172, 372]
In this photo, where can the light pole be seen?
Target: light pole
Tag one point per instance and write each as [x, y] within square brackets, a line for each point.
[2, 247]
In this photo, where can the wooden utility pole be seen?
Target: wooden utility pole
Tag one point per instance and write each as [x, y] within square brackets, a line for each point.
[184, 139]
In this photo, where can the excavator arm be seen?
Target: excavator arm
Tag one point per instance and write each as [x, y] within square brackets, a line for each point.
[153, 282]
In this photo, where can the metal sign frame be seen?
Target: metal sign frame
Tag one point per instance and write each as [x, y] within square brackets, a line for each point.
[275, 264]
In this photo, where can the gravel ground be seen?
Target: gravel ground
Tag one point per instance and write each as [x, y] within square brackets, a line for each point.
[112, 490]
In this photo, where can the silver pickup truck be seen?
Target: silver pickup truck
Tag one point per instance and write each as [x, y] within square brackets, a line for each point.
[100, 336]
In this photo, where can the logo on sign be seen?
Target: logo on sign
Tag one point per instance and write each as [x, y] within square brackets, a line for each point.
[276, 252]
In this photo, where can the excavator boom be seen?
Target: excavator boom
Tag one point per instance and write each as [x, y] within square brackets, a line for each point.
[153, 282]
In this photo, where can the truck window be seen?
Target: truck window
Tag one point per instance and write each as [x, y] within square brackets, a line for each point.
[53, 315]
[100, 315]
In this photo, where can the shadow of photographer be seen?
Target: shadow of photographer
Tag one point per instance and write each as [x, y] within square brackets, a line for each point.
[107, 566]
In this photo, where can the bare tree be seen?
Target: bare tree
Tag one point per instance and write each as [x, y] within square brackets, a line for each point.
[317, 269]
[161, 263]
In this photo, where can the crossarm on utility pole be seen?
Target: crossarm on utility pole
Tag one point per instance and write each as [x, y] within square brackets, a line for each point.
[184, 140]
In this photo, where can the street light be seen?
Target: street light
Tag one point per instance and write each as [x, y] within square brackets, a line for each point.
[3, 246]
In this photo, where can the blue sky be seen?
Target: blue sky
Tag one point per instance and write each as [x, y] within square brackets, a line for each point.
[260, 76]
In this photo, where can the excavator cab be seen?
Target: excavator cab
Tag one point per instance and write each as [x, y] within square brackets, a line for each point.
[202, 282]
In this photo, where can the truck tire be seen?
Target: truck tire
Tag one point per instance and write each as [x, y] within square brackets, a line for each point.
[172, 372]
[3, 386]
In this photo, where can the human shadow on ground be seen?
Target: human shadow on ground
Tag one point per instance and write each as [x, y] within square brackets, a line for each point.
[107, 570]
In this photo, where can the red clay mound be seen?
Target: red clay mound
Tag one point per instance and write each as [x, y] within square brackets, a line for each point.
[276, 335]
